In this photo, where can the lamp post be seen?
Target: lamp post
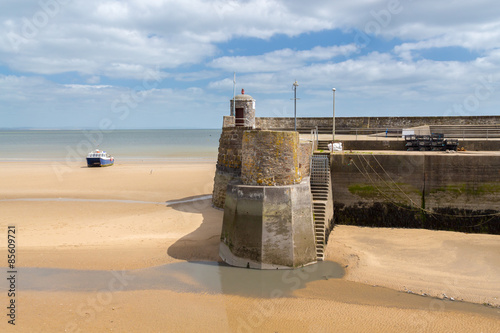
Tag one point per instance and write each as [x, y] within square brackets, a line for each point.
[234, 87]
[295, 85]
[333, 114]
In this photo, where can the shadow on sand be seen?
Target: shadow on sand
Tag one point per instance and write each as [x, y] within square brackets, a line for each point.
[203, 243]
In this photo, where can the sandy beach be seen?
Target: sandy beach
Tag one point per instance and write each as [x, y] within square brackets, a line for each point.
[136, 220]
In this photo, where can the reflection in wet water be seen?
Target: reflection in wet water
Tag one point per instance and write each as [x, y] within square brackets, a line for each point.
[198, 277]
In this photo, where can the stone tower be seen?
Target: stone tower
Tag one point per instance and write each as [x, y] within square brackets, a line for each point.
[229, 158]
[244, 110]
[268, 218]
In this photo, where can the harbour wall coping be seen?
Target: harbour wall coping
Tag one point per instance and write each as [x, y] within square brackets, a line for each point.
[369, 122]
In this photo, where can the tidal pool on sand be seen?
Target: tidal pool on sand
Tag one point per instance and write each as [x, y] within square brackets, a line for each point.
[198, 277]
[219, 278]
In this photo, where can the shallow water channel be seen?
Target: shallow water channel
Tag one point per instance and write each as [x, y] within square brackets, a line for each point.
[219, 278]
[197, 277]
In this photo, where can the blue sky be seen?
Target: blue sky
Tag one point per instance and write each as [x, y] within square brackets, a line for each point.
[169, 63]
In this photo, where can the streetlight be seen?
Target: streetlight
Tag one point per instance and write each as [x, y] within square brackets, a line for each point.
[234, 101]
[333, 89]
[295, 85]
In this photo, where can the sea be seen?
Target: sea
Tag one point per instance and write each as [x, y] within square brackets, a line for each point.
[123, 145]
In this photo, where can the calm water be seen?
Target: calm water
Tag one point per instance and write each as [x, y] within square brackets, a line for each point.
[122, 144]
[198, 277]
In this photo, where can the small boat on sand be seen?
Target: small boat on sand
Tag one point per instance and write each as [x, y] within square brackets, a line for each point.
[99, 158]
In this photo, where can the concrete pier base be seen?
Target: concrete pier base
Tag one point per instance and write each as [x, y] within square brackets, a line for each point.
[268, 227]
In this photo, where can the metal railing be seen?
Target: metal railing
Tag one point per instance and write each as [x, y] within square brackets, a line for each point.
[320, 169]
[315, 138]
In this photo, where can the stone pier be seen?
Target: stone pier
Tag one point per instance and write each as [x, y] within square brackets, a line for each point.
[268, 217]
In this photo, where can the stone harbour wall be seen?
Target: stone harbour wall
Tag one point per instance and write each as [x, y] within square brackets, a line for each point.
[305, 153]
[288, 123]
[268, 213]
[285, 161]
[437, 191]
[381, 144]
[270, 158]
[277, 123]
[228, 121]
[406, 122]
[268, 227]
[228, 162]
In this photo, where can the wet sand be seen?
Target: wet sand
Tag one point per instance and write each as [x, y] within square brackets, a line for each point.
[442, 264]
[133, 237]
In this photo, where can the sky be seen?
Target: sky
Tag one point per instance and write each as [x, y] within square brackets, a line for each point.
[100, 64]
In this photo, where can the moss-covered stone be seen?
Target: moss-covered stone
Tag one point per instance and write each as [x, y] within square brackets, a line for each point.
[270, 158]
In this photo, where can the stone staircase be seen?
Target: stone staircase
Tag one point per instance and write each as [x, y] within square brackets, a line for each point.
[322, 201]
[323, 144]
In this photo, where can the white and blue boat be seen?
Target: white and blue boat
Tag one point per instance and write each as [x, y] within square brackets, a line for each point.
[99, 158]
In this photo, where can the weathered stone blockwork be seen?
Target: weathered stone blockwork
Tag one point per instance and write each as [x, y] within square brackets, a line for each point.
[288, 123]
[228, 121]
[247, 104]
[228, 162]
[407, 122]
[277, 123]
[305, 153]
[268, 219]
[270, 158]
[432, 191]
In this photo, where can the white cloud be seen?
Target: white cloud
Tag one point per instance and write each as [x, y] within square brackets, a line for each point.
[92, 37]
[36, 102]
[484, 38]
[86, 86]
[112, 10]
[184, 40]
[281, 59]
[93, 79]
[376, 77]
